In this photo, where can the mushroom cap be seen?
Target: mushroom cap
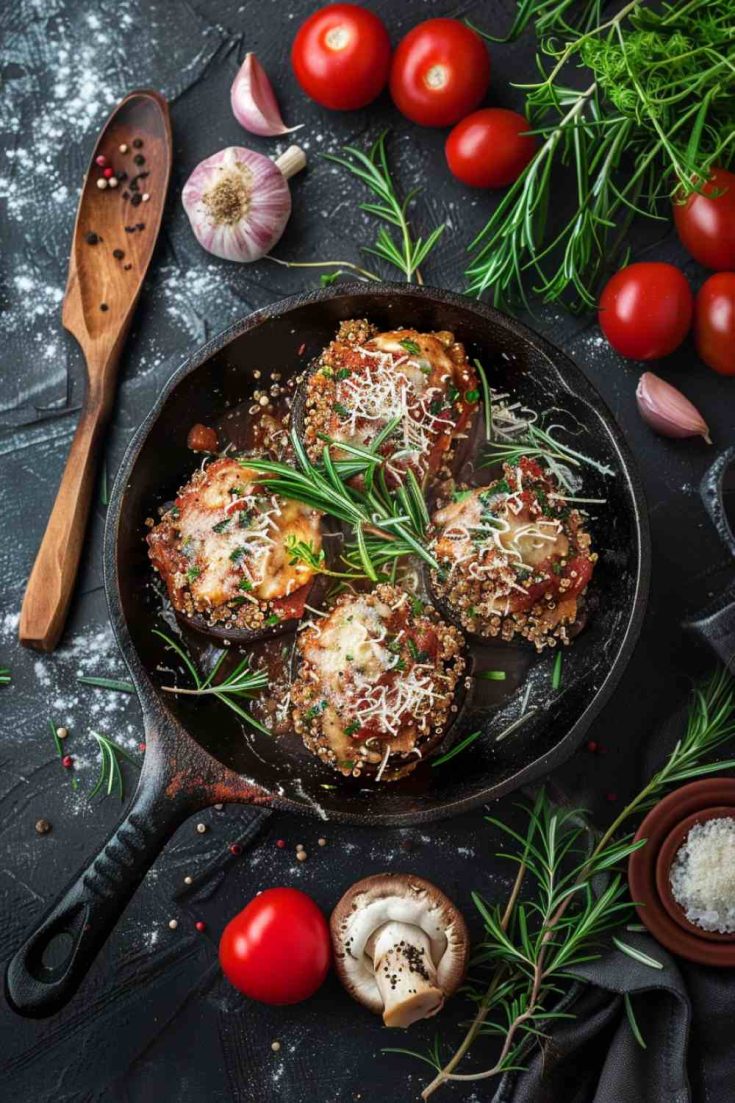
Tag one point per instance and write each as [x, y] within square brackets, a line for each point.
[405, 898]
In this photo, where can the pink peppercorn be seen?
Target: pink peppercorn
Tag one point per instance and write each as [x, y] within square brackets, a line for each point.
[67, 761]
[280, 843]
[592, 746]
[100, 160]
[141, 746]
[107, 173]
[200, 925]
[235, 848]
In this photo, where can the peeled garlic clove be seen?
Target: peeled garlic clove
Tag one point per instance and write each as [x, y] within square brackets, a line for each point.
[238, 201]
[253, 101]
[667, 410]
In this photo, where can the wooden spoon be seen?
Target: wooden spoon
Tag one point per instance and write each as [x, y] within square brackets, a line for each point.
[101, 293]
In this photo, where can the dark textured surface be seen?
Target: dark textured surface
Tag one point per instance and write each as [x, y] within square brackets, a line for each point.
[154, 1020]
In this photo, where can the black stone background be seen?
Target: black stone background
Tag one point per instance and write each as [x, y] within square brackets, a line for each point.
[154, 1020]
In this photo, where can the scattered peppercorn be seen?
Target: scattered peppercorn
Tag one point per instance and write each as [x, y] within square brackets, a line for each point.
[104, 307]
[62, 732]
[235, 848]
[173, 924]
[136, 199]
[121, 176]
[275, 1046]
[126, 195]
[130, 229]
[139, 159]
[123, 148]
[118, 254]
[200, 925]
[201, 828]
[137, 143]
[145, 196]
[301, 855]
[67, 762]
[140, 225]
[100, 160]
[188, 880]
[91, 238]
[101, 183]
[141, 746]
[591, 746]
[107, 173]
[113, 182]
[322, 842]
[127, 267]
[43, 827]
[280, 843]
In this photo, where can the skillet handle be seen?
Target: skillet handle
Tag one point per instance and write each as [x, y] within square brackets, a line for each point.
[51, 964]
[715, 624]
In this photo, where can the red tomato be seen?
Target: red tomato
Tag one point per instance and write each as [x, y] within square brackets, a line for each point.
[706, 226]
[490, 148]
[440, 72]
[341, 56]
[646, 310]
[277, 949]
[714, 322]
[292, 605]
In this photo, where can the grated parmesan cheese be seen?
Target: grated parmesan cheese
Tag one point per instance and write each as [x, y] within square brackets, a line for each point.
[702, 875]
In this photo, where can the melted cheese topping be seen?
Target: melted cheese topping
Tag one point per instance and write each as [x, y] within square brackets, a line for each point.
[231, 538]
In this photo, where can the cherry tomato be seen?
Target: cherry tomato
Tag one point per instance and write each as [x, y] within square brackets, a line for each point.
[277, 949]
[706, 225]
[341, 56]
[646, 310]
[490, 149]
[440, 72]
[714, 322]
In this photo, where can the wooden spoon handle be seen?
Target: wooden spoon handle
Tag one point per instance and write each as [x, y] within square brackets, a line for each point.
[51, 584]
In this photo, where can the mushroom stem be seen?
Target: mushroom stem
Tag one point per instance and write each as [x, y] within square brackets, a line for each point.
[405, 973]
[291, 161]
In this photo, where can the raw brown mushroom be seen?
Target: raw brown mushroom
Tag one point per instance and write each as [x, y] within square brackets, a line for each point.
[400, 946]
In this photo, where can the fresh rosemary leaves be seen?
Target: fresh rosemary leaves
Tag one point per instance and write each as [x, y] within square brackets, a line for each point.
[406, 253]
[652, 119]
[554, 918]
[110, 777]
[241, 683]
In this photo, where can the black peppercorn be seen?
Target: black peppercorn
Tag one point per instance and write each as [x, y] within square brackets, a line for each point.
[137, 143]
[91, 238]
[136, 199]
[139, 159]
[104, 306]
[118, 254]
[43, 827]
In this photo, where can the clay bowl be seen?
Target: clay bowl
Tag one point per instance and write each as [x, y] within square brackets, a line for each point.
[671, 819]
[666, 855]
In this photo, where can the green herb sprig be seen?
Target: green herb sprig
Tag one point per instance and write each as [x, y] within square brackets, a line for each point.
[241, 683]
[553, 918]
[653, 117]
[548, 17]
[540, 443]
[5, 676]
[406, 253]
[114, 684]
[110, 777]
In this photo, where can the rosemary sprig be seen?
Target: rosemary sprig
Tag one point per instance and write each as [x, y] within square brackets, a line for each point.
[396, 517]
[241, 683]
[106, 683]
[548, 17]
[653, 118]
[110, 776]
[5, 676]
[407, 254]
[556, 670]
[538, 442]
[532, 943]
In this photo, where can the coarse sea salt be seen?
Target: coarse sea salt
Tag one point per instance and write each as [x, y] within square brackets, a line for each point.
[702, 875]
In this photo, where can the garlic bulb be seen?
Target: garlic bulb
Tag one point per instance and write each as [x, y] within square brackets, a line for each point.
[254, 103]
[667, 410]
[238, 201]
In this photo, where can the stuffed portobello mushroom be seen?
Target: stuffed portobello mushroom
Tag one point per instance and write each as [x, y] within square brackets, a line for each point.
[222, 550]
[376, 681]
[365, 379]
[514, 558]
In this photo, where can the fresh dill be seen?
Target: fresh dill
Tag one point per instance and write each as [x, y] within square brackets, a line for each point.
[242, 683]
[406, 253]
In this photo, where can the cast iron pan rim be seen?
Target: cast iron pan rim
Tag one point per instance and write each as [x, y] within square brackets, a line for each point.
[153, 709]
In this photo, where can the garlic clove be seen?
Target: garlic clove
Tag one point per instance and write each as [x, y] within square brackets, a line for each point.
[666, 409]
[238, 202]
[254, 103]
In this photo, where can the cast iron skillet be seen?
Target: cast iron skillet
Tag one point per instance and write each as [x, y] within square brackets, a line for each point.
[197, 753]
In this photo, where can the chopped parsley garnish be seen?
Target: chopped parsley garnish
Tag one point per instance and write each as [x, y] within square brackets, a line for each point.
[272, 619]
[193, 573]
[471, 396]
[557, 567]
[326, 371]
[460, 495]
[175, 512]
[341, 410]
[348, 764]
[400, 665]
[416, 655]
[221, 525]
[344, 373]
[393, 645]
[237, 554]
[417, 605]
[237, 491]
[350, 658]
[452, 393]
[410, 346]
[245, 518]
[315, 710]
[352, 728]
[245, 584]
[436, 406]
